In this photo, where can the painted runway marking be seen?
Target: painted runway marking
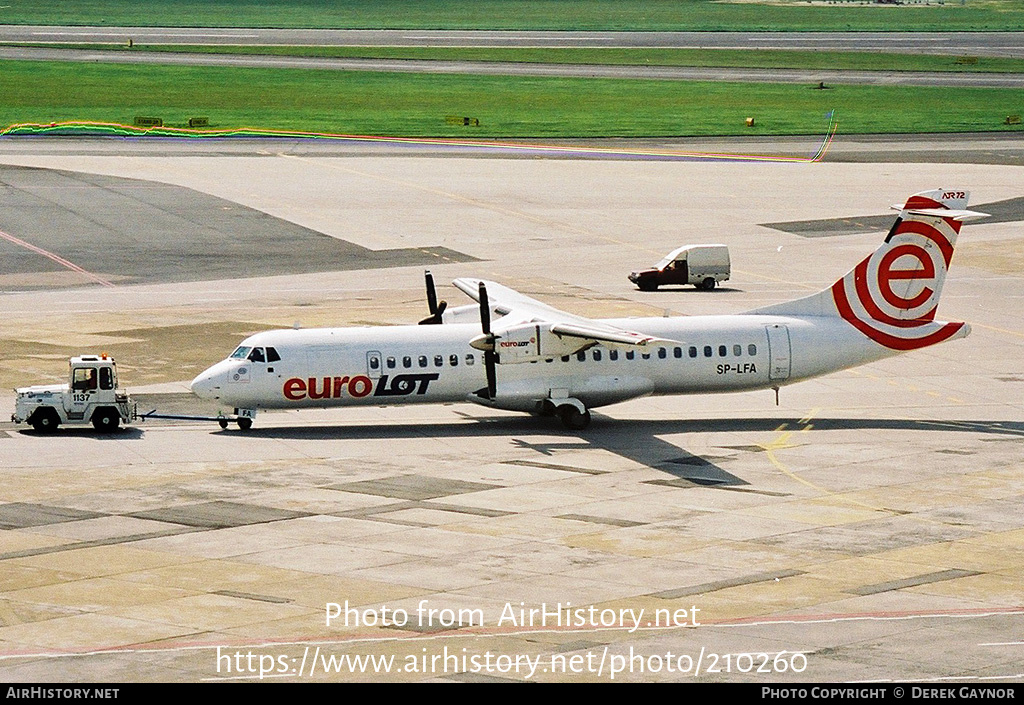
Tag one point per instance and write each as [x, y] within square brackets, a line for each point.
[56, 258]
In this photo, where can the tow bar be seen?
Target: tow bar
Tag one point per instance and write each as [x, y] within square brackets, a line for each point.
[243, 422]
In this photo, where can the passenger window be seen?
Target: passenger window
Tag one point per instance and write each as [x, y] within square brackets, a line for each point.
[737, 350]
[407, 362]
[272, 355]
[565, 358]
[693, 351]
[390, 363]
[453, 360]
[722, 351]
[677, 352]
[630, 354]
[597, 356]
[438, 360]
[707, 351]
[613, 354]
[374, 362]
[257, 355]
[581, 356]
[663, 353]
[106, 378]
[646, 356]
[752, 349]
[470, 359]
[423, 360]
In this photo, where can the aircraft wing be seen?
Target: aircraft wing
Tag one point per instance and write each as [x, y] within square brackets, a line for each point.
[517, 310]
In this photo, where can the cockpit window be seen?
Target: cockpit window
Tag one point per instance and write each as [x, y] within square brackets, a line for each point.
[257, 355]
[241, 353]
[272, 355]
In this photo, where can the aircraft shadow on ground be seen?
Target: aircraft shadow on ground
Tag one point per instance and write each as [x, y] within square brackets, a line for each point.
[635, 440]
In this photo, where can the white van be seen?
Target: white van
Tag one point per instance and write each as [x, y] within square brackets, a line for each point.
[704, 266]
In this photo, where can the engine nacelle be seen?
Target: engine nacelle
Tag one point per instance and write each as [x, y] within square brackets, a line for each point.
[532, 341]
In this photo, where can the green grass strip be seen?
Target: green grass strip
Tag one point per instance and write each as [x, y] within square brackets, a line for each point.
[694, 15]
[396, 104]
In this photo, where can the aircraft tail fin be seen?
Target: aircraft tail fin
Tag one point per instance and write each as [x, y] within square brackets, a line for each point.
[892, 295]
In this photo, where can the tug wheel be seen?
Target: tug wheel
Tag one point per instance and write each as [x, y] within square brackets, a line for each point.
[105, 420]
[45, 420]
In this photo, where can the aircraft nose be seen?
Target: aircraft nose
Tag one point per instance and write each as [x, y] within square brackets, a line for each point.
[207, 385]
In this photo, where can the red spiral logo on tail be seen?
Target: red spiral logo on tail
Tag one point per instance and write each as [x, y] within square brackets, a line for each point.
[891, 296]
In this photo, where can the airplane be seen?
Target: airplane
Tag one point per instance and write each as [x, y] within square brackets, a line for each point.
[510, 351]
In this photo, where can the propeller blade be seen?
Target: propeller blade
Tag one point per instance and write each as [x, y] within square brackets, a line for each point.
[436, 307]
[492, 376]
[490, 357]
[431, 293]
[485, 310]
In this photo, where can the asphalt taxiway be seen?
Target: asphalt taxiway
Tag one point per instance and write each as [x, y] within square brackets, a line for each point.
[874, 532]
[1006, 44]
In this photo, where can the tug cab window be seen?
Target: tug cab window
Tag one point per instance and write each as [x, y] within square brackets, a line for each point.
[84, 379]
[106, 378]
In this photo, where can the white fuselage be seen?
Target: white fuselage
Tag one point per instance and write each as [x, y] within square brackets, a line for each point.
[435, 363]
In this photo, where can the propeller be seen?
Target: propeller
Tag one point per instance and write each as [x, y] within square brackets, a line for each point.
[436, 307]
[490, 357]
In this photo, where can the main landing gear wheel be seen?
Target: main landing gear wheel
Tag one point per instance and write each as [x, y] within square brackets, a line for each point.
[572, 418]
[245, 424]
[106, 420]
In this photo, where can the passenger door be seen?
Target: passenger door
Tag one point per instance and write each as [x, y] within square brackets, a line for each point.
[373, 364]
[779, 353]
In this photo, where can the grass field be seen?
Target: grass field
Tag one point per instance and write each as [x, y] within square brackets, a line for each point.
[705, 15]
[417, 104]
[735, 58]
